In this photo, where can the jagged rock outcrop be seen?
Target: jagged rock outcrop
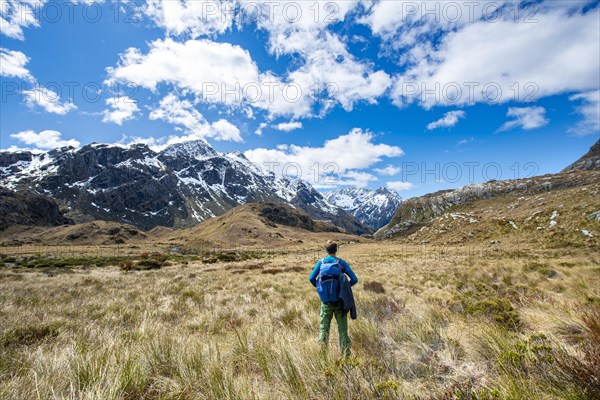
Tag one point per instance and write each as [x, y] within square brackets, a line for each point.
[26, 208]
[590, 161]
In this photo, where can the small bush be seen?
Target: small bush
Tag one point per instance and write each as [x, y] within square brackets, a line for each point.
[28, 335]
[126, 265]
[382, 308]
[272, 271]
[374, 286]
[148, 264]
[499, 310]
[469, 391]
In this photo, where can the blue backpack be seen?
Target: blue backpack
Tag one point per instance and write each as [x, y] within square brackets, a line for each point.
[328, 286]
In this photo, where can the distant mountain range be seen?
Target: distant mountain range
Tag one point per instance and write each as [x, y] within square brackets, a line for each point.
[374, 208]
[182, 185]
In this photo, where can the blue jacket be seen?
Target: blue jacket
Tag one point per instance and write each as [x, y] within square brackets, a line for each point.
[315, 272]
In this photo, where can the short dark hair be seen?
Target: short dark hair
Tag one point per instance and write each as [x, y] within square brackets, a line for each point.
[331, 247]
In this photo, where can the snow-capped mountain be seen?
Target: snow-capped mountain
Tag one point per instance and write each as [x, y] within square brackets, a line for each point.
[179, 186]
[373, 208]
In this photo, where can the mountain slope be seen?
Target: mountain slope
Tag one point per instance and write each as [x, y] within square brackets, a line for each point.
[264, 224]
[180, 186]
[373, 208]
[28, 208]
[417, 213]
[564, 216]
[590, 161]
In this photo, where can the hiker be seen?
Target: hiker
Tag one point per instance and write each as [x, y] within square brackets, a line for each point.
[334, 289]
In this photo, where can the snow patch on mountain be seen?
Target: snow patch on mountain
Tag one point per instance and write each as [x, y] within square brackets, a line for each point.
[374, 208]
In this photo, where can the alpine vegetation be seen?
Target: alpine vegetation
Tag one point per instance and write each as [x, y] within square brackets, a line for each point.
[338, 200]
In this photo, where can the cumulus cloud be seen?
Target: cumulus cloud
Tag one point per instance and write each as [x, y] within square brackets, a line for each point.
[346, 80]
[225, 130]
[195, 65]
[216, 73]
[121, 109]
[327, 73]
[399, 185]
[12, 64]
[48, 99]
[389, 170]
[525, 118]
[288, 126]
[18, 14]
[45, 140]
[321, 165]
[193, 18]
[186, 118]
[527, 61]
[261, 126]
[589, 109]
[449, 119]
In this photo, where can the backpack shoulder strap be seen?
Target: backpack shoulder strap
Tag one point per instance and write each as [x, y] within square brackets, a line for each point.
[338, 262]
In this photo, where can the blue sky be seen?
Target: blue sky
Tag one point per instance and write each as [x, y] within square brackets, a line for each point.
[251, 76]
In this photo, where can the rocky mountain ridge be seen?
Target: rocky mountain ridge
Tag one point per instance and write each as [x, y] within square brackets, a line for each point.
[416, 212]
[182, 185]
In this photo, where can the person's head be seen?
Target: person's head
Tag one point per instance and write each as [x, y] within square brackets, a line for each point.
[331, 247]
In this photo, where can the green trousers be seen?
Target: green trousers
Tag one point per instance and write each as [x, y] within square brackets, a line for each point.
[327, 313]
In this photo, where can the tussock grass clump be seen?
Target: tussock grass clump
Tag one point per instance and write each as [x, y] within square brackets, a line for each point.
[29, 335]
[582, 366]
[374, 286]
[272, 271]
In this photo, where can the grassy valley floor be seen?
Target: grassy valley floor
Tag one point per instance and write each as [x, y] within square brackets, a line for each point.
[486, 322]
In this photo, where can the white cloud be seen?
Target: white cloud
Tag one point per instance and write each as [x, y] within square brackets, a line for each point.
[226, 74]
[18, 14]
[390, 170]
[288, 126]
[48, 99]
[350, 178]
[526, 118]
[589, 109]
[44, 140]
[182, 114]
[338, 162]
[260, 128]
[515, 61]
[225, 130]
[466, 141]
[12, 64]
[345, 79]
[449, 119]
[217, 73]
[399, 185]
[194, 18]
[122, 109]
[195, 65]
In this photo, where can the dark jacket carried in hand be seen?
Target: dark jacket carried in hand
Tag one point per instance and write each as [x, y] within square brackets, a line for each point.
[346, 296]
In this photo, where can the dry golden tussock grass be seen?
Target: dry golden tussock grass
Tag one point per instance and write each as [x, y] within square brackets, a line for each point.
[450, 323]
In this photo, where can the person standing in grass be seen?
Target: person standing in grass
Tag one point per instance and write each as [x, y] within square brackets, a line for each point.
[329, 277]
